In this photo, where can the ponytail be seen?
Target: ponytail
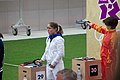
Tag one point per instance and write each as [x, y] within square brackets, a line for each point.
[60, 30]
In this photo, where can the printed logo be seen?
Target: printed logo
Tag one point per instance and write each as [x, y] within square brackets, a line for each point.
[109, 7]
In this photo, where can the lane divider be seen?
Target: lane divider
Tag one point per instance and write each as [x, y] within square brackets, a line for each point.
[11, 65]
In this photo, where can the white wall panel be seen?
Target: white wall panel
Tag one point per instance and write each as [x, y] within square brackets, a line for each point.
[12, 6]
[31, 18]
[45, 13]
[77, 11]
[30, 13]
[38, 13]
[61, 12]
[75, 3]
[30, 5]
[3, 22]
[61, 4]
[7, 0]
[46, 16]
[75, 14]
[46, 4]
[13, 17]
[61, 17]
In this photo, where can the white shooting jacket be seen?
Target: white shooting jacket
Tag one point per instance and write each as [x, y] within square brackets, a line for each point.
[54, 51]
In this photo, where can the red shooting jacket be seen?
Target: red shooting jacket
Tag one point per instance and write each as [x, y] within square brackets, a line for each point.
[109, 42]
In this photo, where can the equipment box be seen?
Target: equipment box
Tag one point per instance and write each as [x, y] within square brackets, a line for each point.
[90, 69]
[32, 73]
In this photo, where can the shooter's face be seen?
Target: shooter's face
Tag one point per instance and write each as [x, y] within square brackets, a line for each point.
[108, 27]
[51, 30]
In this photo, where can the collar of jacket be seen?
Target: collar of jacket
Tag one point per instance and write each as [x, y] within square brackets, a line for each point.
[113, 30]
[54, 35]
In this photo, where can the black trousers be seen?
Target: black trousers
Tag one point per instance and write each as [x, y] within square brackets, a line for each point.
[1, 75]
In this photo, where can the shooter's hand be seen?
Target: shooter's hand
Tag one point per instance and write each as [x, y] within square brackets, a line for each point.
[39, 60]
[88, 23]
[84, 24]
[52, 66]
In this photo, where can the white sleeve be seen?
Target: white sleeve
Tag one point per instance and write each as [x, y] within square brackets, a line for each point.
[44, 55]
[60, 52]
